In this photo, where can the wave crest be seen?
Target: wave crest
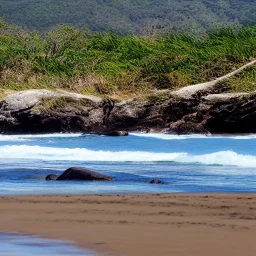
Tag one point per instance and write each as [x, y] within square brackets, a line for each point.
[83, 154]
[192, 136]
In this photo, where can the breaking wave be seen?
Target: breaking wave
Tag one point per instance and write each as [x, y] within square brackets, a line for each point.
[38, 136]
[30, 137]
[192, 136]
[83, 154]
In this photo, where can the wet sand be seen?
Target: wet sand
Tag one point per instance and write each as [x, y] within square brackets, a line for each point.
[13, 244]
[140, 225]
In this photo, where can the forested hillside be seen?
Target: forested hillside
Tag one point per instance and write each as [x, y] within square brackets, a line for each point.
[129, 16]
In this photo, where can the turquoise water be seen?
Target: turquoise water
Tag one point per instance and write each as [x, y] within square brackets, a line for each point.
[21, 245]
[192, 163]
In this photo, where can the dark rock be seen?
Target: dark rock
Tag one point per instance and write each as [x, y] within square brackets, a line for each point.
[182, 112]
[156, 181]
[142, 129]
[51, 177]
[187, 127]
[79, 173]
[115, 133]
[230, 113]
[43, 111]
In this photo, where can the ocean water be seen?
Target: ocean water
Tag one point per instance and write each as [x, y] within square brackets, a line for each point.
[23, 245]
[188, 163]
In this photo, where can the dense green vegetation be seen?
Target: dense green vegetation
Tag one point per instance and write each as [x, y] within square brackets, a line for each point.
[129, 16]
[122, 66]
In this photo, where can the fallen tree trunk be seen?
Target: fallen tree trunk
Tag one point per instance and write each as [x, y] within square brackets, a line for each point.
[204, 88]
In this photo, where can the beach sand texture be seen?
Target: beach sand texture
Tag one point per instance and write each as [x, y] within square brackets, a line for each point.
[140, 225]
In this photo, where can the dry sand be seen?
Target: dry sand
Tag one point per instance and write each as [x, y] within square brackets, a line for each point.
[140, 225]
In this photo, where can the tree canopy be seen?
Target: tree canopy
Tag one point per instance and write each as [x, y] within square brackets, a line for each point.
[129, 16]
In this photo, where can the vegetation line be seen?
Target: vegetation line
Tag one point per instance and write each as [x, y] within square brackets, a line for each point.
[107, 64]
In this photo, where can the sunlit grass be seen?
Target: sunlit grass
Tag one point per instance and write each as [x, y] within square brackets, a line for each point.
[109, 64]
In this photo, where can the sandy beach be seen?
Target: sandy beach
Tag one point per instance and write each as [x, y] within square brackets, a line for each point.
[138, 225]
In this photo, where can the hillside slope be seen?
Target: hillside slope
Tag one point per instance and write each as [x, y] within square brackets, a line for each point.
[129, 16]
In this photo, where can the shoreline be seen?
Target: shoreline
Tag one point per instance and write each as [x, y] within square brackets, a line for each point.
[132, 132]
[139, 224]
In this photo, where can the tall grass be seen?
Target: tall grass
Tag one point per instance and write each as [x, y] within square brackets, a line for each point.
[104, 63]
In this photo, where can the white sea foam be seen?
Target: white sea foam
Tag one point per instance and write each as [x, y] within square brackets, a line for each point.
[244, 137]
[29, 137]
[168, 136]
[12, 138]
[83, 154]
[192, 136]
